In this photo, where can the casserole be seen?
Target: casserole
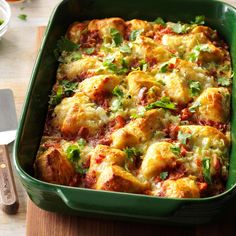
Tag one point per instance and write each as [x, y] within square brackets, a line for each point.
[78, 201]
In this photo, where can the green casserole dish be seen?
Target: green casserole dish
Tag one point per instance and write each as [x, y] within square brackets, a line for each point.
[51, 197]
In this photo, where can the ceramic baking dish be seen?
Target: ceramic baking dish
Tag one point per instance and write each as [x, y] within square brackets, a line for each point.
[51, 197]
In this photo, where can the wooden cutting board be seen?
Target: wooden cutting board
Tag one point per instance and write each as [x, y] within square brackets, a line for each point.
[43, 223]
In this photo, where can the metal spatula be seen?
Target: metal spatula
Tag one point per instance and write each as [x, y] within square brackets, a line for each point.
[8, 125]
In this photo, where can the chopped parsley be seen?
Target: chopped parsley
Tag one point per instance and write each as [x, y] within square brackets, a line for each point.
[199, 20]
[112, 67]
[73, 153]
[160, 21]
[164, 175]
[179, 28]
[163, 103]
[64, 44]
[194, 106]
[125, 48]
[135, 34]
[132, 154]
[206, 169]
[22, 17]
[195, 88]
[175, 149]
[73, 56]
[1, 21]
[117, 38]
[89, 50]
[193, 56]
[224, 81]
[183, 137]
[118, 92]
[165, 68]
[64, 89]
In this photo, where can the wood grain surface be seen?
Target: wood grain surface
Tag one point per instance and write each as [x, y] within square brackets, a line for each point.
[43, 223]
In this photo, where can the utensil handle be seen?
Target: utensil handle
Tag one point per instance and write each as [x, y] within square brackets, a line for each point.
[8, 195]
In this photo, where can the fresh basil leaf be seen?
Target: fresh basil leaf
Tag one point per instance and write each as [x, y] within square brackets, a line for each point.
[195, 88]
[160, 21]
[224, 81]
[116, 36]
[73, 153]
[125, 49]
[1, 21]
[135, 34]
[206, 169]
[199, 20]
[164, 175]
[163, 103]
[183, 137]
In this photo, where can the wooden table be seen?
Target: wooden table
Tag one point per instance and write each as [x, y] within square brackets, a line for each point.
[17, 55]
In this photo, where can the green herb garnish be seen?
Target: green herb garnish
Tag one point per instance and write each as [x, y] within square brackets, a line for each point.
[206, 169]
[118, 92]
[165, 68]
[65, 89]
[199, 20]
[64, 44]
[22, 17]
[194, 106]
[1, 21]
[89, 50]
[183, 137]
[193, 56]
[125, 48]
[117, 38]
[224, 81]
[132, 154]
[160, 21]
[175, 149]
[112, 67]
[195, 88]
[73, 153]
[134, 34]
[163, 103]
[179, 28]
[164, 175]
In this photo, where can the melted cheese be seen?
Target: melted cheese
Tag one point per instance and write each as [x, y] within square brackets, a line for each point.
[149, 104]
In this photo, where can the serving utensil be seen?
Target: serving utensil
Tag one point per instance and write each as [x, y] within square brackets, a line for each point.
[8, 125]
